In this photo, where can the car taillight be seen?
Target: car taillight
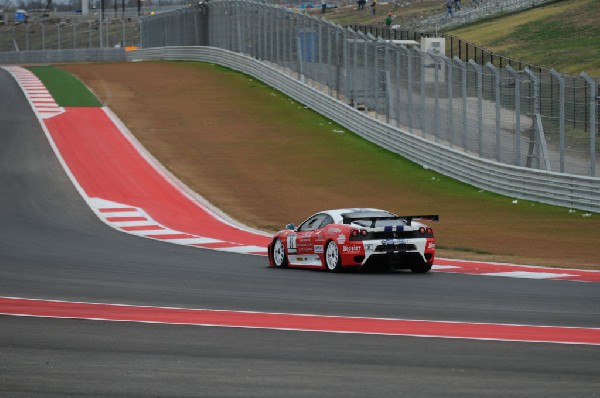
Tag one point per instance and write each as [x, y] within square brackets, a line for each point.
[356, 234]
[425, 231]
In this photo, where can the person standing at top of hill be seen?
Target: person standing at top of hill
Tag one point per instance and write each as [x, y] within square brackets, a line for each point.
[373, 5]
[361, 5]
[456, 5]
[323, 6]
[449, 5]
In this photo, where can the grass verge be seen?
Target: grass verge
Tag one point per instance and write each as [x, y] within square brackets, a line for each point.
[66, 89]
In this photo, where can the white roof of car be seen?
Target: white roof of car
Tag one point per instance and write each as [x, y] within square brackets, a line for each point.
[337, 213]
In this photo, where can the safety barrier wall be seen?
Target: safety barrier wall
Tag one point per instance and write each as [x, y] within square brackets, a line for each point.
[519, 182]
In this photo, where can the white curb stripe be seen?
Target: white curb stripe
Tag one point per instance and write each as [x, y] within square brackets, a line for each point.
[529, 275]
[108, 211]
[34, 90]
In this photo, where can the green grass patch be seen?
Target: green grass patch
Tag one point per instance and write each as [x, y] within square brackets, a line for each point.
[66, 89]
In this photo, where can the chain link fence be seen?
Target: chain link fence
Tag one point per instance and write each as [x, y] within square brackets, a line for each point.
[74, 32]
[544, 120]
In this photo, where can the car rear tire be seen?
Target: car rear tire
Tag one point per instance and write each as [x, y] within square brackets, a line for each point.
[421, 268]
[279, 257]
[333, 260]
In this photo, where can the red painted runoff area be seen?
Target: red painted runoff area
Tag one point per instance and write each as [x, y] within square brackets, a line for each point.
[299, 322]
[106, 165]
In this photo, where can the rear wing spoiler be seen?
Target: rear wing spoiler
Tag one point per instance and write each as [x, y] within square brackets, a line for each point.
[407, 219]
[430, 217]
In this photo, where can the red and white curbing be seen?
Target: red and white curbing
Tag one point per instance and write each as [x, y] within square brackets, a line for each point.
[38, 95]
[514, 270]
[135, 220]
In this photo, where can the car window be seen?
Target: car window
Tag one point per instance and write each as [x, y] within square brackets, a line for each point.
[312, 223]
[326, 221]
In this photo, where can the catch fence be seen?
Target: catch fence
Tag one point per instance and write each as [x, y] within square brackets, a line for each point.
[70, 33]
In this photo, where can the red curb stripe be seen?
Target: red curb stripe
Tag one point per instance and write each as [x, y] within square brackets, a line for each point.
[117, 209]
[299, 322]
[125, 219]
[172, 236]
[143, 228]
[217, 245]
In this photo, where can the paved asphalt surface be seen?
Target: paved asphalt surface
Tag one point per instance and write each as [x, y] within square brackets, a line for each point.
[52, 246]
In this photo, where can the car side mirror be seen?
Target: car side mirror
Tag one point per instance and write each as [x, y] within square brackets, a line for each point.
[290, 226]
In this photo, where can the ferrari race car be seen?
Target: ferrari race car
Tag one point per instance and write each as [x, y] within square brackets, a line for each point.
[355, 238]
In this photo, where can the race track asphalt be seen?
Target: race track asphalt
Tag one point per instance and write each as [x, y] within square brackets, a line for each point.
[52, 246]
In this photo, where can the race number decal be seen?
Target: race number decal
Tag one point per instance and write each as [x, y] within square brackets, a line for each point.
[291, 243]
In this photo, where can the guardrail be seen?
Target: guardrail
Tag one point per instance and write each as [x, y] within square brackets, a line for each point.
[559, 189]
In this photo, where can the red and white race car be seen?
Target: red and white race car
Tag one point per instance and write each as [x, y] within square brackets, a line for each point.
[355, 238]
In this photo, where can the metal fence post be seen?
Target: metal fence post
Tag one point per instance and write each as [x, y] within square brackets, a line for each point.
[291, 31]
[339, 59]
[388, 82]
[278, 32]
[366, 63]
[299, 55]
[376, 77]
[517, 80]
[561, 116]
[409, 86]
[479, 72]
[238, 24]
[352, 77]
[535, 144]
[398, 108]
[329, 60]
[497, 96]
[593, 127]
[463, 93]
[345, 62]
[436, 95]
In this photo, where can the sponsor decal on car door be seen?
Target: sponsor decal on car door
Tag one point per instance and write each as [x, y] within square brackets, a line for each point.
[305, 251]
[304, 245]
